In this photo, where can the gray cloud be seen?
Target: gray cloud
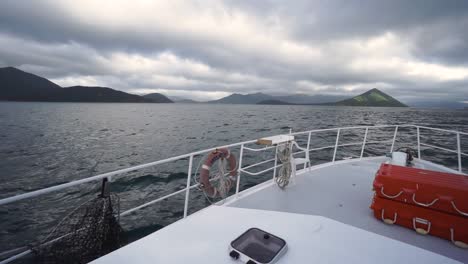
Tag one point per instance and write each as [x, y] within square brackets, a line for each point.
[407, 48]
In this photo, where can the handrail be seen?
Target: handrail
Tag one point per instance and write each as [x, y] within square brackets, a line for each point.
[437, 147]
[442, 130]
[394, 139]
[142, 166]
[259, 149]
[257, 164]
[110, 174]
[241, 169]
[364, 143]
[260, 172]
[336, 144]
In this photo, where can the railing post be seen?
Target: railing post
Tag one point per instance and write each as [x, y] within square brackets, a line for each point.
[394, 138]
[459, 152]
[276, 162]
[419, 143]
[336, 144]
[308, 146]
[241, 153]
[187, 188]
[364, 143]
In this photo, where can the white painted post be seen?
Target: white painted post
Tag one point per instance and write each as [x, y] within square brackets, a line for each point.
[239, 169]
[419, 143]
[187, 188]
[276, 162]
[459, 152]
[336, 144]
[394, 138]
[308, 145]
[364, 143]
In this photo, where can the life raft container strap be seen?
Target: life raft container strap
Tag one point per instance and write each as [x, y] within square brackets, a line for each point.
[424, 222]
[458, 210]
[457, 243]
[390, 196]
[423, 204]
[387, 220]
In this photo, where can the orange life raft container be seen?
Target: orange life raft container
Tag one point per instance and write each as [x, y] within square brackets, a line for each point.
[430, 202]
[222, 153]
[445, 192]
[423, 220]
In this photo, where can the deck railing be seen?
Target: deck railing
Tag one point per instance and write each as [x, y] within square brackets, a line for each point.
[244, 147]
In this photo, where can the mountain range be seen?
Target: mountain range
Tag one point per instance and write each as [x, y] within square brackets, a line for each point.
[17, 85]
[373, 97]
[257, 98]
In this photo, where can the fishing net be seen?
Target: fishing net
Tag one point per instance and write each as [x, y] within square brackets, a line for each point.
[88, 232]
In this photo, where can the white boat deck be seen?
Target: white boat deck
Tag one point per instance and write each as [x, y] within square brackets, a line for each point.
[324, 217]
[204, 238]
[343, 192]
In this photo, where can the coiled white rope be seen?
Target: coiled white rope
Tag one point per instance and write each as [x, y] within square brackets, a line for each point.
[284, 154]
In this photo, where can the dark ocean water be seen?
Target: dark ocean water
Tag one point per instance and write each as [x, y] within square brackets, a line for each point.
[44, 144]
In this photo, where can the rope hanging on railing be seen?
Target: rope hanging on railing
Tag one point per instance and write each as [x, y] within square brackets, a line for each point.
[284, 153]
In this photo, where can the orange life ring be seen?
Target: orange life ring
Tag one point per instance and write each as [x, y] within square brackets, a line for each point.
[215, 155]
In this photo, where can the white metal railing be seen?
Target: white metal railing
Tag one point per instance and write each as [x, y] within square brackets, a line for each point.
[242, 145]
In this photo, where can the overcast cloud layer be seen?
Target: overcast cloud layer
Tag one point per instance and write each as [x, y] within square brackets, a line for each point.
[209, 49]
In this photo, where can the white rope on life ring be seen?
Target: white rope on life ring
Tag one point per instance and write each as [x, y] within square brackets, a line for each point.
[225, 183]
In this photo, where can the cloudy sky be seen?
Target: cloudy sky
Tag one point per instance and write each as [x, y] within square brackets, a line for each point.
[208, 49]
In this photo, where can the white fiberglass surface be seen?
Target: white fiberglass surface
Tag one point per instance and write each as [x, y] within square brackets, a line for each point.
[205, 236]
[343, 192]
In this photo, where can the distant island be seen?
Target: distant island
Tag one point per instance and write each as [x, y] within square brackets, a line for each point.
[373, 97]
[17, 85]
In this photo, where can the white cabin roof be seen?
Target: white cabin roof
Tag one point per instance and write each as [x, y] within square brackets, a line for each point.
[324, 217]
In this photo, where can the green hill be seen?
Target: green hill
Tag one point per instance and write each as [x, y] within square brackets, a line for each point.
[372, 97]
